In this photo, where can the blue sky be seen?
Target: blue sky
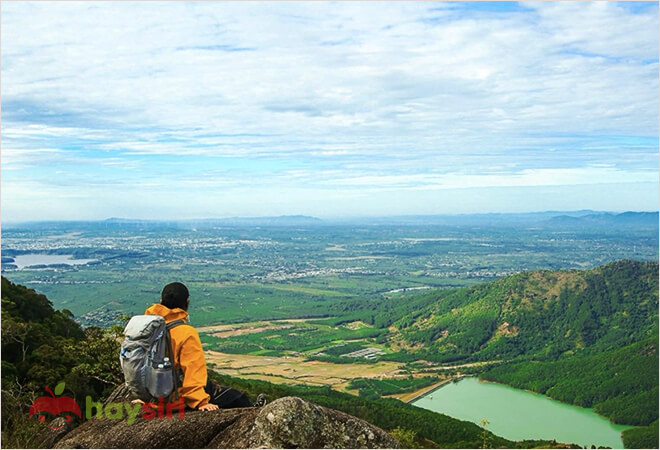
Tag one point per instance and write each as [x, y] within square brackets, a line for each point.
[219, 109]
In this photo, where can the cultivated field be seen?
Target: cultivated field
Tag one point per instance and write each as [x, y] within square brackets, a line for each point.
[297, 370]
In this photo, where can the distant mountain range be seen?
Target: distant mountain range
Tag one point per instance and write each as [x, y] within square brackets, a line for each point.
[185, 224]
[583, 218]
[293, 220]
[532, 219]
[606, 219]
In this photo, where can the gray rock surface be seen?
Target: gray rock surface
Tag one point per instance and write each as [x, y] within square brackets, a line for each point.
[48, 437]
[289, 422]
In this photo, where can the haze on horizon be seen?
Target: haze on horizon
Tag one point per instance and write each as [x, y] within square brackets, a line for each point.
[184, 110]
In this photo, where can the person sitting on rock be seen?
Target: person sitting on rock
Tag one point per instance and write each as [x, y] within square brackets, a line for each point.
[197, 391]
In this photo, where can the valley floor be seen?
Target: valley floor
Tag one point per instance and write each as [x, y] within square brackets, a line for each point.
[298, 370]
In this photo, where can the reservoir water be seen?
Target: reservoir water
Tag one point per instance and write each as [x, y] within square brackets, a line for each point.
[35, 259]
[516, 414]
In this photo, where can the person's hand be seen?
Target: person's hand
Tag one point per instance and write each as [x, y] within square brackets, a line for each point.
[208, 407]
[143, 404]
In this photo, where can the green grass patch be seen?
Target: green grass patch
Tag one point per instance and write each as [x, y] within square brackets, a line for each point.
[373, 388]
[302, 337]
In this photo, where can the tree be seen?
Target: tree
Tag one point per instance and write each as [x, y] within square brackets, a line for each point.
[484, 423]
[17, 332]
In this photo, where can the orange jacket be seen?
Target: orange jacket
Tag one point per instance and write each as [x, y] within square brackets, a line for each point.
[188, 356]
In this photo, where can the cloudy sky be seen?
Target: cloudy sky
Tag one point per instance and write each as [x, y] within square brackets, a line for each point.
[218, 109]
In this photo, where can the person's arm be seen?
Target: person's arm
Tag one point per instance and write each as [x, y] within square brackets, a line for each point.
[193, 364]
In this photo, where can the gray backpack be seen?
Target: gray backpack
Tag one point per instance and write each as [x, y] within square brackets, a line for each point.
[146, 357]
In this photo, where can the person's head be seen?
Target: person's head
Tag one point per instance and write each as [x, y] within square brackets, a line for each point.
[175, 295]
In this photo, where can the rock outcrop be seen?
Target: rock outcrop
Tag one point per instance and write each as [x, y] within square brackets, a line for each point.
[288, 422]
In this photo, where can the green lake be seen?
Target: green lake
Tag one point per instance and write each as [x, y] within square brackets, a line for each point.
[516, 414]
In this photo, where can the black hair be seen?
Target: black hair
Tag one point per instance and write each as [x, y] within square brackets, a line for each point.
[175, 295]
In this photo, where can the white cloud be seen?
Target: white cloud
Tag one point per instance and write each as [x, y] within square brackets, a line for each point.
[602, 28]
[394, 94]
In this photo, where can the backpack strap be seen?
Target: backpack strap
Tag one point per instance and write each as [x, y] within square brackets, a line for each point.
[174, 323]
[175, 373]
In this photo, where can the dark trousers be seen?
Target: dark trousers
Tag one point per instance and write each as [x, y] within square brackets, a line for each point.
[226, 397]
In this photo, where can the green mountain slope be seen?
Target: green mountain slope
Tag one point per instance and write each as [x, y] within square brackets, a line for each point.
[543, 314]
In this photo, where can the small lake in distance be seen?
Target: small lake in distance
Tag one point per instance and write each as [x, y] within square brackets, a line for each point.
[516, 414]
[35, 259]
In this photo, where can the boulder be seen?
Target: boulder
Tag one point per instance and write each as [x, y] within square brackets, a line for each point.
[288, 422]
[49, 436]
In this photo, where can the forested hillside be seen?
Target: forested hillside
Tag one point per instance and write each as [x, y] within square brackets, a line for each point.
[42, 347]
[541, 314]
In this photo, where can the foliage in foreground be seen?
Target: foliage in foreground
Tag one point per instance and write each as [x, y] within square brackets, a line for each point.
[42, 347]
